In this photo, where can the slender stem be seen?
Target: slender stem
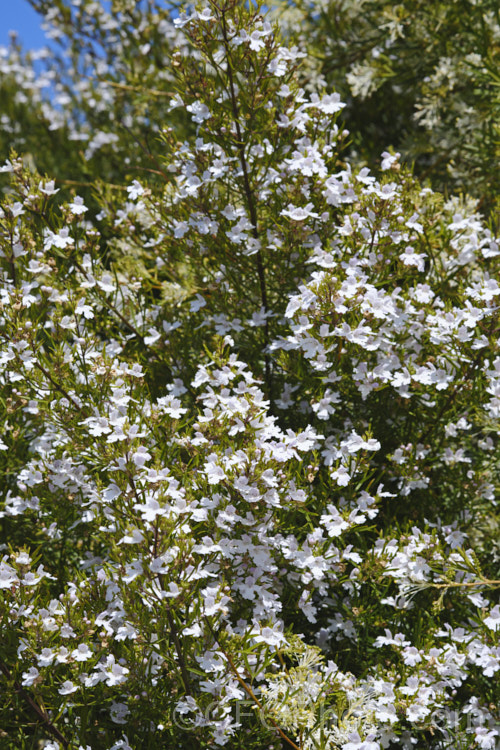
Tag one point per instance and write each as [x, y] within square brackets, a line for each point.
[492, 330]
[257, 702]
[247, 688]
[110, 305]
[80, 183]
[252, 209]
[41, 714]
[178, 648]
[127, 87]
[171, 621]
[451, 397]
[146, 151]
[57, 386]
[12, 261]
[466, 584]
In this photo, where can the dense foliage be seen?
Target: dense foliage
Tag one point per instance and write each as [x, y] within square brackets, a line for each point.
[422, 76]
[250, 379]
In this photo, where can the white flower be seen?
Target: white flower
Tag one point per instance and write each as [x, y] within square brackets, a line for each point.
[329, 103]
[493, 619]
[119, 713]
[135, 190]
[417, 712]
[29, 677]
[7, 167]
[77, 206]
[141, 457]
[389, 159]
[333, 522]
[411, 656]
[299, 213]
[48, 188]
[150, 509]
[17, 209]
[60, 240]
[213, 471]
[46, 657]
[356, 743]
[171, 406]
[411, 258]
[106, 283]
[272, 636]
[67, 688]
[83, 309]
[486, 738]
[8, 576]
[199, 111]
[386, 713]
[181, 20]
[113, 673]
[23, 558]
[362, 79]
[82, 653]
[205, 14]
[176, 100]
[134, 536]
[197, 303]
[356, 443]
[341, 476]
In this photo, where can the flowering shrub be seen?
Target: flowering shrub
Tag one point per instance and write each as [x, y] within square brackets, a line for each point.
[249, 450]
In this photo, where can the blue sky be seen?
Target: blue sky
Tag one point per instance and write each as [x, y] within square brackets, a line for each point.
[19, 16]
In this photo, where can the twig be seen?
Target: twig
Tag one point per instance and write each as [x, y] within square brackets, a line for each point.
[57, 386]
[451, 396]
[128, 87]
[178, 648]
[250, 202]
[41, 714]
[80, 183]
[12, 261]
[257, 702]
[110, 305]
[171, 621]
[249, 690]
[464, 584]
